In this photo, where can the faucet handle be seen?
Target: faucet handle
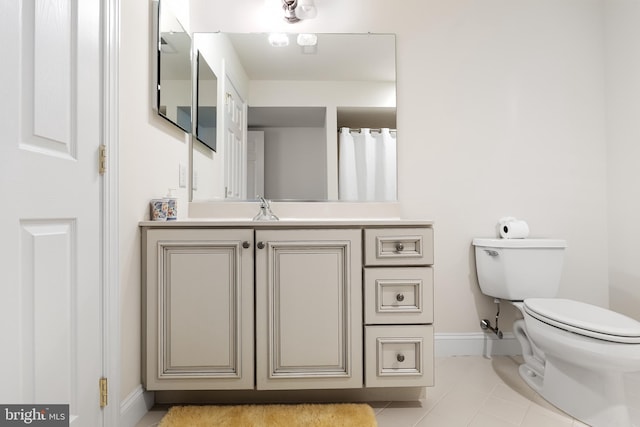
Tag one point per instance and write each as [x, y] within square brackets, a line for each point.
[264, 203]
[265, 210]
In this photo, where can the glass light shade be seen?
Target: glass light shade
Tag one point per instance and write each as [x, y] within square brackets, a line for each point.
[278, 39]
[307, 39]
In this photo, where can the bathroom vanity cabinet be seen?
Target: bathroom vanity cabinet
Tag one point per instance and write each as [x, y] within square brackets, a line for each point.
[328, 304]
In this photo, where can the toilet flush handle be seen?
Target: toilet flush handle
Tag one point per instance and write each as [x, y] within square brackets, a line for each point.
[491, 252]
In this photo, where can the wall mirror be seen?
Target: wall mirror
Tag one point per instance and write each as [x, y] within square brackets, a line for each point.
[206, 102]
[282, 105]
[173, 93]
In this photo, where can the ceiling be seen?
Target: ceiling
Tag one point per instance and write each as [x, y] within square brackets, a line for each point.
[175, 62]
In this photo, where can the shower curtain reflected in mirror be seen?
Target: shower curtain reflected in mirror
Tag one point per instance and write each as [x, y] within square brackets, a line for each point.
[367, 164]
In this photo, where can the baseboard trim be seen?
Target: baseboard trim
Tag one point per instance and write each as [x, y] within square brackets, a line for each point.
[476, 344]
[135, 406]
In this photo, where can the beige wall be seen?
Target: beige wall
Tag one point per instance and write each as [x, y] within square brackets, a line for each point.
[500, 112]
[502, 108]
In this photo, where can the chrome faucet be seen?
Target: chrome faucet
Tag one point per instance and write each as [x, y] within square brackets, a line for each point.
[265, 213]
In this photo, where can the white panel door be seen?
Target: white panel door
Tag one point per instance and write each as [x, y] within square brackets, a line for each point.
[50, 124]
[235, 143]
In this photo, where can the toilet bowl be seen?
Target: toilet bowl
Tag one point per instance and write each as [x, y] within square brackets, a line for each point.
[576, 354]
[587, 351]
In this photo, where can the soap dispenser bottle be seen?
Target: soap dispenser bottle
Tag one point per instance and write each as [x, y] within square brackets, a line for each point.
[172, 205]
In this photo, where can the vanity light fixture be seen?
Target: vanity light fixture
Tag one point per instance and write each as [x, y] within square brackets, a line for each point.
[296, 10]
[278, 39]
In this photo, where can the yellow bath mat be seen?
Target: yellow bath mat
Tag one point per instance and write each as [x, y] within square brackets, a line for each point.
[303, 415]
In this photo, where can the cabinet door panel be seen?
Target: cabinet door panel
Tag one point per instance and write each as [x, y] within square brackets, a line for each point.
[309, 309]
[190, 340]
[199, 309]
[310, 275]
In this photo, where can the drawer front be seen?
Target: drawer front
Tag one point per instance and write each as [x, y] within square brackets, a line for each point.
[399, 356]
[398, 295]
[398, 246]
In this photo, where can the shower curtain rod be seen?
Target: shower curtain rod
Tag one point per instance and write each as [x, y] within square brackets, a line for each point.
[371, 129]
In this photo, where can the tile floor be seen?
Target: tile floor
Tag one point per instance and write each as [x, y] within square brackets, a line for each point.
[470, 391]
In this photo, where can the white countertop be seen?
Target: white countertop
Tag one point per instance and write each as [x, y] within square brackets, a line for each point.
[289, 223]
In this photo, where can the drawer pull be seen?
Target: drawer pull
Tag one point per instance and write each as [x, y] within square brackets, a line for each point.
[400, 297]
[246, 244]
[399, 247]
[260, 245]
[400, 357]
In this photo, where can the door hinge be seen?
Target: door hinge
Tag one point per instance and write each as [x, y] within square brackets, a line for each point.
[104, 392]
[102, 162]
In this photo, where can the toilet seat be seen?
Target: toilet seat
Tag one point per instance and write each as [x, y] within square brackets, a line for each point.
[584, 319]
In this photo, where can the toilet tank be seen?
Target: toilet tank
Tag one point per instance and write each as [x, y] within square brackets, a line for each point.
[516, 269]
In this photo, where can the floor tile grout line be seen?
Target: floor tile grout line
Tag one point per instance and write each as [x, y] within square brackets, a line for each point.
[437, 402]
[484, 401]
[535, 405]
[379, 410]
[456, 384]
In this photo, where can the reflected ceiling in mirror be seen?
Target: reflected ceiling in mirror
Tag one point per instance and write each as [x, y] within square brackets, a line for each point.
[335, 57]
[298, 97]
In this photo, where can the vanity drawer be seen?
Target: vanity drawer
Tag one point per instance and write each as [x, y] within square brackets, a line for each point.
[398, 246]
[398, 356]
[398, 295]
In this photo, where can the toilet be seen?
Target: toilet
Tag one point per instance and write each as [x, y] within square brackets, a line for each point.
[576, 355]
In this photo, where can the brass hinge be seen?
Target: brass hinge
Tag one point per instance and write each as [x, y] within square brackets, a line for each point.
[104, 392]
[102, 162]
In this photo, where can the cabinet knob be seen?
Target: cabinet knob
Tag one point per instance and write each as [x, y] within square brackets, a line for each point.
[246, 244]
[400, 297]
[400, 357]
[399, 247]
[260, 245]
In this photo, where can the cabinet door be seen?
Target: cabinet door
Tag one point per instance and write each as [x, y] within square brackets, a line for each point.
[308, 309]
[199, 309]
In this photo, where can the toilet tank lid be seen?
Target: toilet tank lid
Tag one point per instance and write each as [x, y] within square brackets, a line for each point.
[519, 243]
